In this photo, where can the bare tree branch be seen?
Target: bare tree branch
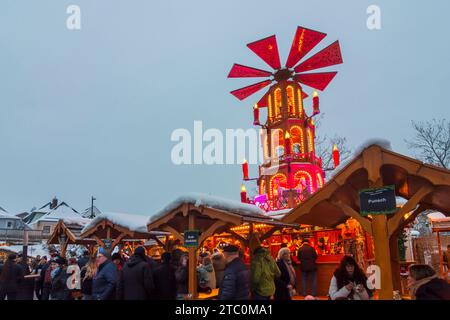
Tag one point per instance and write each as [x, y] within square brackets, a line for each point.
[324, 146]
[431, 142]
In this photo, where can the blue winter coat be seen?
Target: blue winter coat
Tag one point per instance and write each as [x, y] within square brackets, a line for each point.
[236, 281]
[105, 282]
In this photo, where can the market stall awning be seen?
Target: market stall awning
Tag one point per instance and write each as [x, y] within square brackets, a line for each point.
[212, 215]
[424, 186]
[118, 227]
[71, 230]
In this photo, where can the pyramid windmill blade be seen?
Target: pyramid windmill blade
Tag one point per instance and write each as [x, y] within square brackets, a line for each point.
[241, 71]
[329, 56]
[244, 92]
[317, 81]
[304, 95]
[267, 50]
[304, 41]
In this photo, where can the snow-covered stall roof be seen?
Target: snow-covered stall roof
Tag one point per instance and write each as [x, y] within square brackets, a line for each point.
[133, 222]
[209, 201]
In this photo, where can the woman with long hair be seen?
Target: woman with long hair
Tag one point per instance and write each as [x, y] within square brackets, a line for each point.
[11, 276]
[286, 283]
[87, 275]
[349, 282]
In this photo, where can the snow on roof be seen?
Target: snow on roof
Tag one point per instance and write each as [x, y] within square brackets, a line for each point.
[436, 215]
[278, 214]
[383, 143]
[5, 215]
[133, 222]
[215, 202]
[64, 212]
[87, 212]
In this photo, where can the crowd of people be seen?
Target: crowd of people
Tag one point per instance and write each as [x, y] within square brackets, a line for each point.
[112, 277]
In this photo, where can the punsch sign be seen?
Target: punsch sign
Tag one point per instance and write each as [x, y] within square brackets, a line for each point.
[378, 201]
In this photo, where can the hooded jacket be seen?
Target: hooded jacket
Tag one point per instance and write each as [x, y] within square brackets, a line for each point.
[219, 265]
[264, 271]
[136, 281]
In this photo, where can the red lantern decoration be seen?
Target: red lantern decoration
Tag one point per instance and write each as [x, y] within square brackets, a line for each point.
[315, 103]
[287, 143]
[256, 115]
[245, 169]
[243, 194]
[336, 156]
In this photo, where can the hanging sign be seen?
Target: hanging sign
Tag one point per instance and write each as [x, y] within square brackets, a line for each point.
[191, 238]
[378, 201]
[107, 243]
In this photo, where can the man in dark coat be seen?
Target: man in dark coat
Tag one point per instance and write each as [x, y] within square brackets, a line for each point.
[105, 281]
[164, 278]
[59, 275]
[136, 281]
[307, 256]
[236, 278]
[11, 276]
[45, 278]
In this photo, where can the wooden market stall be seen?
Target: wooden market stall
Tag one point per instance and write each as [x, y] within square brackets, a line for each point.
[424, 186]
[68, 232]
[439, 226]
[110, 229]
[210, 215]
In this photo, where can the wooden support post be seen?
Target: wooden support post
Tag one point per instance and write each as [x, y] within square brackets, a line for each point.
[395, 263]
[192, 262]
[63, 249]
[382, 256]
[441, 262]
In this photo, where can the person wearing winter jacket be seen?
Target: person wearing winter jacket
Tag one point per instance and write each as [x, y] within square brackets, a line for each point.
[219, 265]
[264, 271]
[236, 278]
[105, 281]
[180, 261]
[307, 257]
[164, 279]
[349, 282]
[287, 282]
[136, 281]
[206, 275]
[424, 284]
[59, 290]
[11, 275]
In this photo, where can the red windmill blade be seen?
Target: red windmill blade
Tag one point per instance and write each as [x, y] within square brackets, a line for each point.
[267, 49]
[304, 41]
[329, 56]
[241, 71]
[244, 92]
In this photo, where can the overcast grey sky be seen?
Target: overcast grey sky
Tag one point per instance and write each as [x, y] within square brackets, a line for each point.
[90, 112]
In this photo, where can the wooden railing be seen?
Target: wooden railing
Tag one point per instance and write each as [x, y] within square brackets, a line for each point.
[17, 235]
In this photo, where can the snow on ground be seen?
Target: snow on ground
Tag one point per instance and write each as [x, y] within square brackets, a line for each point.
[205, 200]
[134, 222]
[33, 250]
